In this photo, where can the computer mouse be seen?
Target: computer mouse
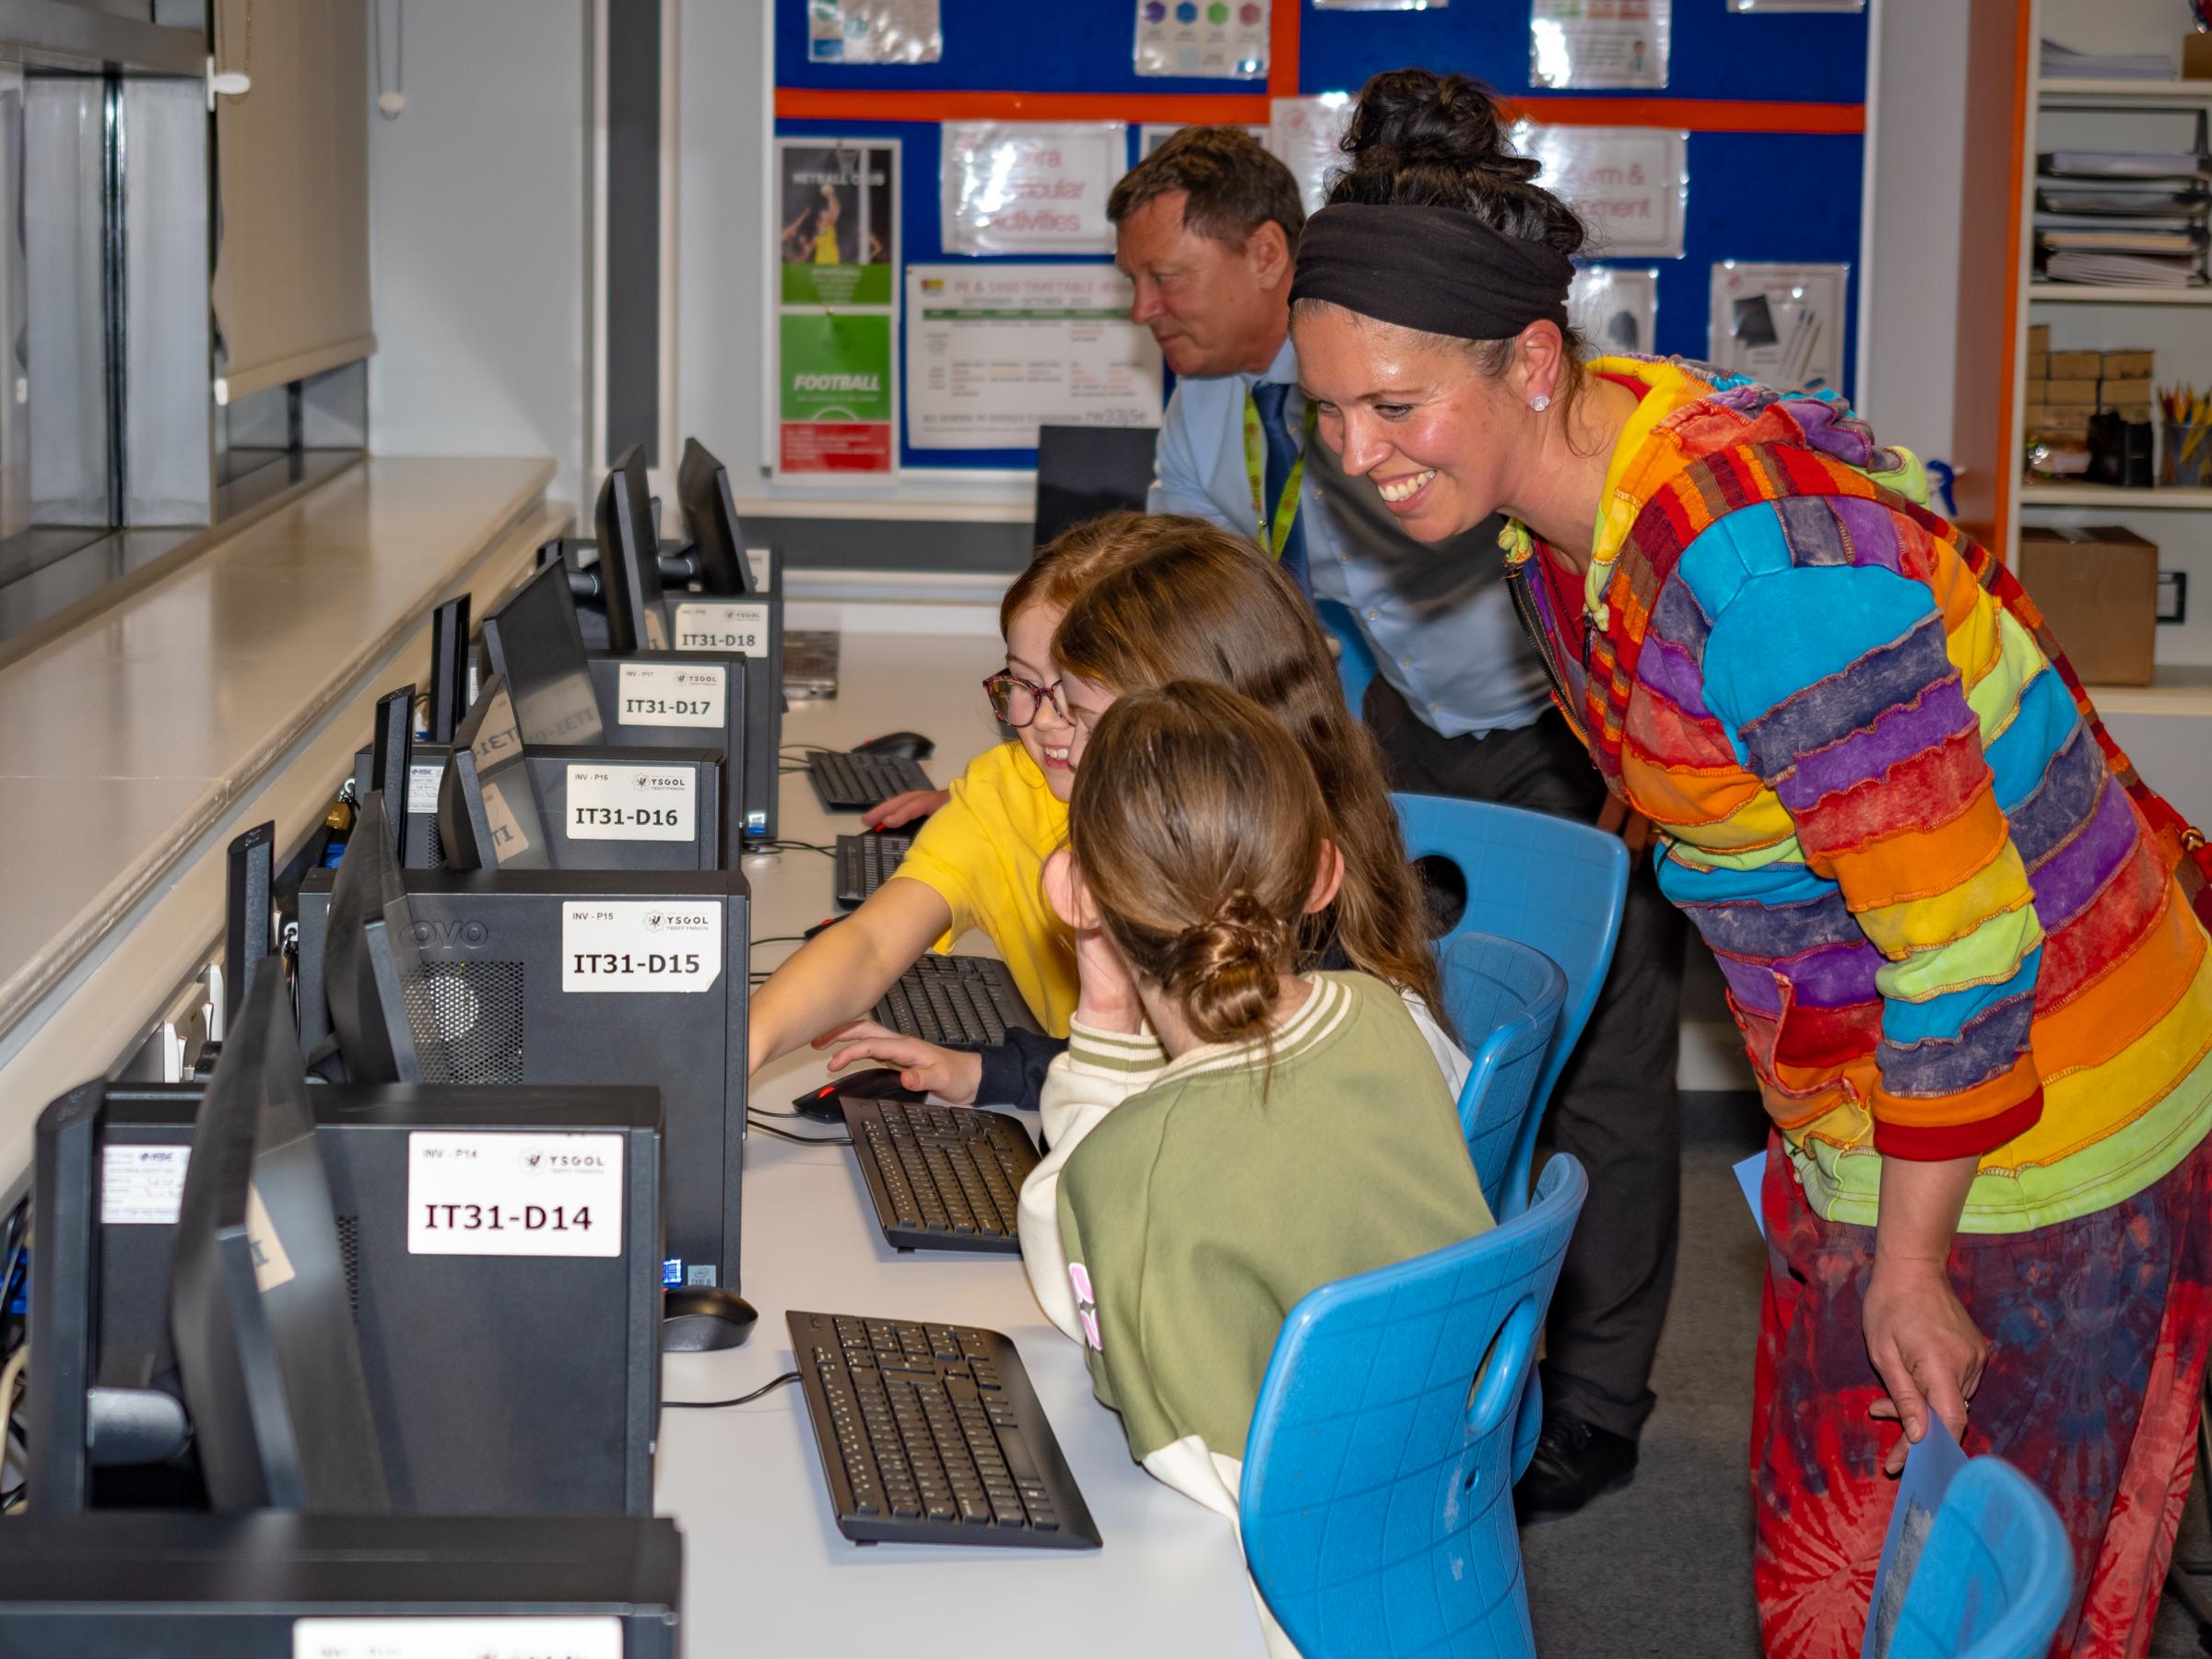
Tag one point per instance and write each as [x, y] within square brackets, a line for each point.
[698, 1319]
[905, 745]
[877, 1083]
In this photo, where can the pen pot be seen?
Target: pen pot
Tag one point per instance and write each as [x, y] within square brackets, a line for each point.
[2184, 455]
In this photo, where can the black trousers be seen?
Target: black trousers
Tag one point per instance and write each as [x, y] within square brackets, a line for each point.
[1615, 1108]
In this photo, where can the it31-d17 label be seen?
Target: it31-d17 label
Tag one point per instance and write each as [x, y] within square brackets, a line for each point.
[672, 694]
[721, 625]
[632, 802]
[513, 1194]
[643, 945]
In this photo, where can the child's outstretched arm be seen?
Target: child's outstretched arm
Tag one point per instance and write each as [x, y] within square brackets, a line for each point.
[838, 975]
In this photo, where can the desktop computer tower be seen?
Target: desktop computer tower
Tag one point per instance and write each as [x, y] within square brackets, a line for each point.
[591, 807]
[576, 977]
[272, 1584]
[419, 847]
[681, 698]
[506, 1374]
[748, 630]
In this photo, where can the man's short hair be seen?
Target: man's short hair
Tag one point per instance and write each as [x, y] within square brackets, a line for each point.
[1231, 185]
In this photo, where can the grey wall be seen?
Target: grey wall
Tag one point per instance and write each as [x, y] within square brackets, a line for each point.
[1918, 142]
[477, 256]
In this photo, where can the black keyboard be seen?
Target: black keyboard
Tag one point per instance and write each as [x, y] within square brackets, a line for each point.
[848, 783]
[956, 1001]
[864, 862]
[943, 1177]
[932, 1434]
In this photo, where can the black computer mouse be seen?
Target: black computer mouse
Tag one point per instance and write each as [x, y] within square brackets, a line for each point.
[877, 1083]
[905, 745]
[696, 1319]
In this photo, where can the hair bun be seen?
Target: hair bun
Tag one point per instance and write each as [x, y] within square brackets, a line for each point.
[1417, 138]
[1416, 117]
[1227, 970]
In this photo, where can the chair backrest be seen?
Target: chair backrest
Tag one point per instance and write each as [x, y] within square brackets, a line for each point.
[1993, 1578]
[1505, 997]
[1543, 882]
[1377, 1498]
[1355, 656]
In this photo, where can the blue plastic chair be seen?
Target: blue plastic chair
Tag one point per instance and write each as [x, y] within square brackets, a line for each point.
[1355, 657]
[1377, 1497]
[1543, 882]
[1508, 995]
[1994, 1576]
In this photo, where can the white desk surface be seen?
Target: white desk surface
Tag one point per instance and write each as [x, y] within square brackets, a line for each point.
[765, 1569]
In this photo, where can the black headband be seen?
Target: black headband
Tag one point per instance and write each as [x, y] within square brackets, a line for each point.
[1435, 269]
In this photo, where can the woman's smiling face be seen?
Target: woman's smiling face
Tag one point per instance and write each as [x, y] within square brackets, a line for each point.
[1411, 414]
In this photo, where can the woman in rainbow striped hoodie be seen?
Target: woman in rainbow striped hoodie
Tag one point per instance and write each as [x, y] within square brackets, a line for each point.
[1957, 929]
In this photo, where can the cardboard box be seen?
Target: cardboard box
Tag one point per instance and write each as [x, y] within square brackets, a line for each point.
[2076, 365]
[2039, 390]
[2039, 365]
[2128, 365]
[2038, 337]
[2197, 56]
[2123, 394]
[2135, 414]
[2082, 391]
[2097, 587]
[2073, 422]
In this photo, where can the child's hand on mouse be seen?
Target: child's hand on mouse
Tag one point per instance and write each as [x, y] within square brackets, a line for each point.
[904, 809]
[1107, 1000]
[949, 1073]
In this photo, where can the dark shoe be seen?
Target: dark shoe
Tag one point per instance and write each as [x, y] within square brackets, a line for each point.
[1573, 1463]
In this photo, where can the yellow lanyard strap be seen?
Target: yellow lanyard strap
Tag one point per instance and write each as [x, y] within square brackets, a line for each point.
[1272, 537]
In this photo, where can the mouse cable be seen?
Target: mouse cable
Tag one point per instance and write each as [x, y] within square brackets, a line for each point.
[803, 1140]
[780, 939]
[795, 846]
[785, 1381]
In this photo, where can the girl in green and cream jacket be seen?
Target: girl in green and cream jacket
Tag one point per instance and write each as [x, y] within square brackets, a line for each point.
[1226, 1135]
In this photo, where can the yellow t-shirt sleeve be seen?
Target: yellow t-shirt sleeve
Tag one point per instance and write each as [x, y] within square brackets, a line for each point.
[955, 857]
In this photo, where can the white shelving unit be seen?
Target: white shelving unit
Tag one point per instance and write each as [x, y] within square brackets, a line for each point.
[2175, 323]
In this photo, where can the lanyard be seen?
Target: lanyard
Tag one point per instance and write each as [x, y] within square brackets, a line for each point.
[1256, 468]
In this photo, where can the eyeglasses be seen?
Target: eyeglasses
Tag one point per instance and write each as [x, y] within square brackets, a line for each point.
[1016, 701]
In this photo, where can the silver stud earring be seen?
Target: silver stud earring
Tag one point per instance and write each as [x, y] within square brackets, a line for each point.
[1540, 402]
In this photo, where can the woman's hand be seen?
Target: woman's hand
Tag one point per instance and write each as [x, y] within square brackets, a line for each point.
[1924, 1349]
[904, 809]
[949, 1073]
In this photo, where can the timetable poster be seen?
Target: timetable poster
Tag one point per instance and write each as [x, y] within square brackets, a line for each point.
[1599, 43]
[835, 387]
[995, 351]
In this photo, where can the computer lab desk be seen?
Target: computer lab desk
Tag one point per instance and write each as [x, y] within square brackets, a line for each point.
[766, 1571]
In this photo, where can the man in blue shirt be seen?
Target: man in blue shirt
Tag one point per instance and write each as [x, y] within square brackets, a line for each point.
[1207, 229]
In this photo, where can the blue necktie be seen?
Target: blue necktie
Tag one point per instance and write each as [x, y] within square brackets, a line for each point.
[1269, 397]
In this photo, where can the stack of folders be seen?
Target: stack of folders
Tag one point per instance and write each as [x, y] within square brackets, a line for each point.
[2122, 218]
[2061, 62]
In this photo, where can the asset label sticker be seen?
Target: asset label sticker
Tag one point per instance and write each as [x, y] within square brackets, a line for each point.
[142, 1186]
[721, 625]
[758, 559]
[591, 1636]
[672, 694]
[487, 1193]
[632, 802]
[617, 944]
[422, 785]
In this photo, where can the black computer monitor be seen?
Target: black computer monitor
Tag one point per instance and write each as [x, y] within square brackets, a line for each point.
[487, 812]
[259, 1311]
[536, 648]
[630, 560]
[389, 751]
[703, 488]
[372, 959]
[449, 668]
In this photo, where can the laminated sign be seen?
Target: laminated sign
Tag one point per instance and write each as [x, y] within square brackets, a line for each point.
[1029, 186]
[836, 233]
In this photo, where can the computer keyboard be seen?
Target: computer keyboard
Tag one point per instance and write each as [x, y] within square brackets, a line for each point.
[848, 783]
[957, 1000]
[864, 862]
[932, 1434]
[943, 1177]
